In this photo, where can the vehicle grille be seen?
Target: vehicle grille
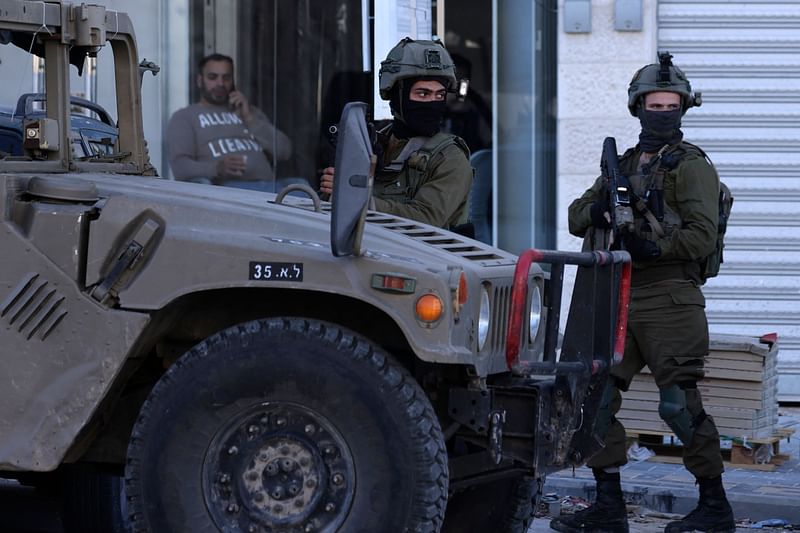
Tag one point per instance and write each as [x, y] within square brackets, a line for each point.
[439, 238]
[501, 302]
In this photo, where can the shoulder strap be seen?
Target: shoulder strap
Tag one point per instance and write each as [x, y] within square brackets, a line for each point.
[434, 146]
[414, 144]
[418, 151]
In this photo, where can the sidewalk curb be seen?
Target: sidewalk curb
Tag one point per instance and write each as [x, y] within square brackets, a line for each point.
[678, 498]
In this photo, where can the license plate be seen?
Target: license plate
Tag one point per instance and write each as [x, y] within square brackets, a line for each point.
[267, 271]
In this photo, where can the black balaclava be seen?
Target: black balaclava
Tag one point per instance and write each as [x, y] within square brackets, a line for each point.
[659, 128]
[413, 119]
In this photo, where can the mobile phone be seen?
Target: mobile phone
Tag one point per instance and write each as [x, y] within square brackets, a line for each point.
[230, 105]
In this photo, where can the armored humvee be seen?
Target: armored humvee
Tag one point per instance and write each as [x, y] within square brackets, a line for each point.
[254, 362]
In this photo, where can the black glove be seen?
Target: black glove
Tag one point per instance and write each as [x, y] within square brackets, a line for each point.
[640, 249]
[598, 213]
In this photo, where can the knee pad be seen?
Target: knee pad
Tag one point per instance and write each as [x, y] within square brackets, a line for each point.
[681, 408]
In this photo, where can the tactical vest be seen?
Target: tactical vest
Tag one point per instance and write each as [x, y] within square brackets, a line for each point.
[403, 177]
[657, 218]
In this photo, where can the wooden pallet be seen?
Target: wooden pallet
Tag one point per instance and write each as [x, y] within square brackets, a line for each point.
[735, 453]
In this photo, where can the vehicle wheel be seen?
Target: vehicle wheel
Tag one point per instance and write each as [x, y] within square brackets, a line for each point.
[286, 425]
[502, 506]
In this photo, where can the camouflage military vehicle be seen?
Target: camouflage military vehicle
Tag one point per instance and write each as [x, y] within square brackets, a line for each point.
[267, 363]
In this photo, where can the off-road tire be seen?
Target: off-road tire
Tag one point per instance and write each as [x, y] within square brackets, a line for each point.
[367, 424]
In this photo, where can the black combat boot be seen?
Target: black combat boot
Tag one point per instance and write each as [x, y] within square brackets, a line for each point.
[606, 515]
[712, 514]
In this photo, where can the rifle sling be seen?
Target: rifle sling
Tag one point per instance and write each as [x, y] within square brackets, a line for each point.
[651, 218]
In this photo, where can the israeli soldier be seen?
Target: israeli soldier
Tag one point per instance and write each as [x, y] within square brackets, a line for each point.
[422, 173]
[674, 230]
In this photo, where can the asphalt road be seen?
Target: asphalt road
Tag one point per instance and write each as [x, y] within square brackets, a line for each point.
[23, 510]
[644, 522]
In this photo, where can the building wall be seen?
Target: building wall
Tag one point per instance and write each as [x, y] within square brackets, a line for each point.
[594, 70]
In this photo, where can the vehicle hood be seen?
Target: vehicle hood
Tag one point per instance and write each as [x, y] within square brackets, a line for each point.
[201, 226]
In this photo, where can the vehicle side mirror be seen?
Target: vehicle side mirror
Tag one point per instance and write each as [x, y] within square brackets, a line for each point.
[352, 181]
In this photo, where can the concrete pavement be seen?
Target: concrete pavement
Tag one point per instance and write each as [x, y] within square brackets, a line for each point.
[668, 488]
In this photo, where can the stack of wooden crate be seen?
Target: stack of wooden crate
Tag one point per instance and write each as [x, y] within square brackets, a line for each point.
[740, 390]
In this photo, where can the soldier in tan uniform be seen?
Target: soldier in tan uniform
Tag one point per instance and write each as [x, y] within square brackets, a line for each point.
[667, 330]
[423, 174]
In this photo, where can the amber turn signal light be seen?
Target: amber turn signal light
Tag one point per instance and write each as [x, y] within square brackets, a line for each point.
[429, 308]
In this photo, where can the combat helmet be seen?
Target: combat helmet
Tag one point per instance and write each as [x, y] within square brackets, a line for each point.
[661, 76]
[415, 59]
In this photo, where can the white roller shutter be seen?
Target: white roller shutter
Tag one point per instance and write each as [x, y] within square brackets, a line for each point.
[745, 59]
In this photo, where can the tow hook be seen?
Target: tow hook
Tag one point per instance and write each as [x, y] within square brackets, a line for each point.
[496, 421]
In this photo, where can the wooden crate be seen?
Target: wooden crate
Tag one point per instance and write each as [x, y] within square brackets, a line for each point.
[737, 453]
[739, 390]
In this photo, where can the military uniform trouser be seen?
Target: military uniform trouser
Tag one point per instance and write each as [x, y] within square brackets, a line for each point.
[668, 332]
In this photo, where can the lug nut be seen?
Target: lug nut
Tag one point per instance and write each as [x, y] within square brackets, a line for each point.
[310, 429]
[337, 479]
[330, 507]
[233, 508]
[233, 450]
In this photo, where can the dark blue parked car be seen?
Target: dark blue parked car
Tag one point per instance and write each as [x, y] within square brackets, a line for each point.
[93, 132]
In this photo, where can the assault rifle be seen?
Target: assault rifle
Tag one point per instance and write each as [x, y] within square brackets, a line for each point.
[619, 193]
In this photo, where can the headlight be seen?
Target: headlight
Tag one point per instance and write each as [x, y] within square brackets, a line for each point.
[535, 316]
[483, 319]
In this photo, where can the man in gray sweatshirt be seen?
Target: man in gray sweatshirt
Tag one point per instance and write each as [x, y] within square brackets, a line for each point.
[223, 139]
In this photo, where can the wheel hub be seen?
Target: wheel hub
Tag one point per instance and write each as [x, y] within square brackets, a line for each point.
[278, 468]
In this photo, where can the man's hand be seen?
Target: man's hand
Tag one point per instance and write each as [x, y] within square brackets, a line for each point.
[640, 249]
[601, 219]
[326, 181]
[231, 166]
[240, 105]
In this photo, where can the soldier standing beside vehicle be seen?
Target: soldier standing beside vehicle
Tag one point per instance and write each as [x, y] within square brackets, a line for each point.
[223, 139]
[667, 327]
[422, 173]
